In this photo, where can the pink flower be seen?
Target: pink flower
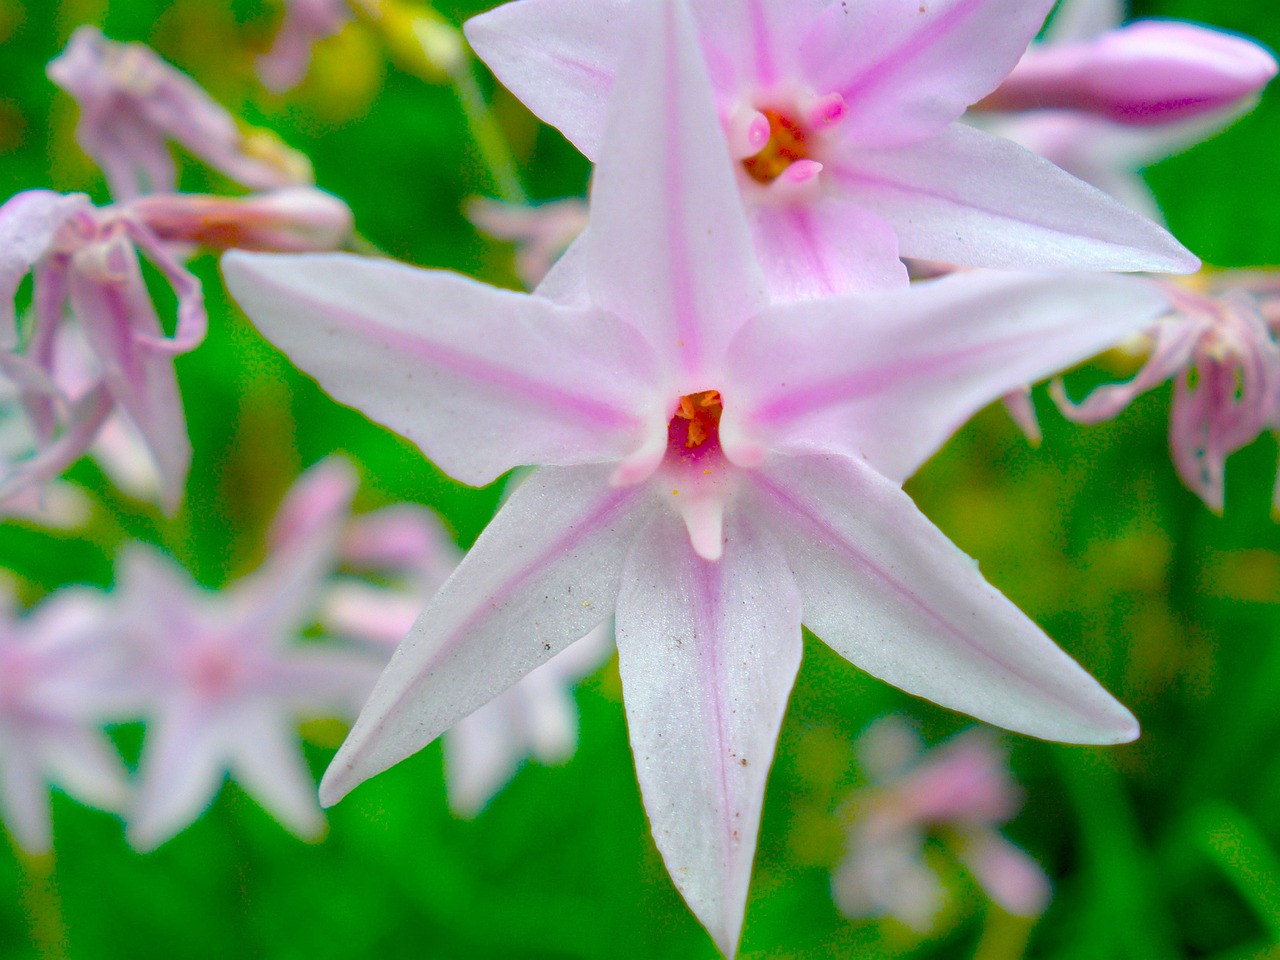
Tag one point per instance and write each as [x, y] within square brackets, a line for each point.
[132, 103]
[306, 22]
[223, 681]
[714, 468]
[541, 233]
[1226, 366]
[55, 664]
[842, 120]
[85, 265]
[960, 792]
[1103, 101]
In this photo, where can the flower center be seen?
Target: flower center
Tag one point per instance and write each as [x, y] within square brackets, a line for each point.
[696, 422]
[789, 142]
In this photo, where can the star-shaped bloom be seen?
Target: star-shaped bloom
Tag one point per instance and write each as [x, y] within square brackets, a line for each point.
[408, 549]
[714, 468]
[223, 681]
[1103, 101]
[133, 103]
[961, 793]
[1222, 355]
[56, 664]
[842, 120]
[306, 22]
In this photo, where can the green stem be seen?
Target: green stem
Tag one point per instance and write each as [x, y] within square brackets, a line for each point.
[491, 143]
[43, 906]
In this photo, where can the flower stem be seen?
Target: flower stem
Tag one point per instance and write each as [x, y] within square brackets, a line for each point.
[43, 906]
[495, 151]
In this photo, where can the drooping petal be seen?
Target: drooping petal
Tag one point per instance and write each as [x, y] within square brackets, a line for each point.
[265, 759]
[890, 593]
[181, 770]
[899, 373]
[906, 69]
[820, 249]
[708, 653]
[482, 380]
[968, 197]
[668, 247]
[28, 223]
[24, 796]
[543, 573]
[558, 57]
[83, 763]
[110, 298]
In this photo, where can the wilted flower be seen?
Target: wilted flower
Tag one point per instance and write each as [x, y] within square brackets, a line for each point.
[133, 103]
[305, 23]
[540, 233]
[1103, 101]
[959, 793]
[223, 680]
[841, 118]
[714, 467]
[1225, 363]
[56, 666]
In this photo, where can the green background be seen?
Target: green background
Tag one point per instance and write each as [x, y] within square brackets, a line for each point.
[1164, 848]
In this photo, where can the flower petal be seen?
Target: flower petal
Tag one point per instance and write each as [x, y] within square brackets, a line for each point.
[754, 44]
[821, 249]
[558, 57]
[906, 69]
[543, 573]
[669, 250]
[28, 223]
[708, 653]
[969, 198]
[890, 593]
[181, 771]
[110, 298]
[24, 798]
[482, 380]
[899, 373]
[265, 759]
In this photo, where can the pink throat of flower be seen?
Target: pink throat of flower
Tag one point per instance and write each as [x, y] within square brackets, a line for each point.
[694, 430]
[780, 142]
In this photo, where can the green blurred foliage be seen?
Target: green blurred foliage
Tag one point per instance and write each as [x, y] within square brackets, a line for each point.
[1165, 848]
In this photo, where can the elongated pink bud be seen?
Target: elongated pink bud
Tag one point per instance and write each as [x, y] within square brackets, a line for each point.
[296, 219]
[1148, 73]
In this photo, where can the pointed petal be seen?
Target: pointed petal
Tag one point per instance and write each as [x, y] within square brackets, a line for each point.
[969, 198]
[180, 773]
[899, 373]
[82, 762]
[24, 799]
[542, 574]
[111, 301]
[265, 759]
[890, 593]
[482, 753]
[558, 57]
[28, 223]
[481, 379]
[820, 249]
[708, 654]
[669, 250]
[906, 68]
[754, 44]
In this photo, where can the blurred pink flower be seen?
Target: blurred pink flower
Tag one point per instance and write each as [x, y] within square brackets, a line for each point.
[841, 118]
[1103, 101]
[85, 266]
[711, 463]
[1225, 362]
[306, 22]
[540, 233]
[132, 103]
[959, 792]
[406, 546]
[56, 663]
[223, 682]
